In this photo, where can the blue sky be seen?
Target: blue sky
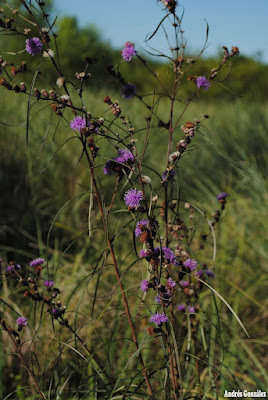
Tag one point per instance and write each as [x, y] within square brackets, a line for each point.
[242, 23]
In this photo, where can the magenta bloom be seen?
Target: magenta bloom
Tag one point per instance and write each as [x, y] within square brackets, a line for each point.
[144, 285]
[33, 46]
[158, 318]
[133, 197]
[78, 123]
[140, 224]
[222, 196]
[144, 253]
[202, 82]
[128, 51]
[190, 264]
[48, 284]
[181, 307]
[21, 321]
[115, 165]
[191, 309]
[124, 156]
[128, 91]
[170, 284]
[168, 255]
[36, 262]
[184, 283]
[158, 299]
[210, 273]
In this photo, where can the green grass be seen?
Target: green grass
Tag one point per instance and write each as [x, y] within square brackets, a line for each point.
[228, 154]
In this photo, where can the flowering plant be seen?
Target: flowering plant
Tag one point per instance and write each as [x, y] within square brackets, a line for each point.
[167, 250]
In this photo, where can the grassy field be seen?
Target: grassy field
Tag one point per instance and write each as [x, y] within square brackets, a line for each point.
[45, 202]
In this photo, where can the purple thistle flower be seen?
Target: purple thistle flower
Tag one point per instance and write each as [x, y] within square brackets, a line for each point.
[141, 223]
[33, 46]
[124, 156]
[158, 299]
[133, 197]
[199, 274]
[222, 196]
[144, 253]
[128, 51]
[10, 267]
[48, 284]
[191, 309]
[144, 285]
[21, 321]
[181, 307]
[107, 169]
[184, 283]
[203, 82]
[210, 273]
[170, 284]
[18, 266]
[168, 174]
[36, 262]
[190, 263]
[170, 256]
[128, 91]
[158, 318]
[78, 123]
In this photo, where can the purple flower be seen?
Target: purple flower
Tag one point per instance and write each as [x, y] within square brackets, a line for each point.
[170, 256]
[18, 266]
[78, 123]
[190, 263]
[48, 284]
[144, 253]
[128, 51]
[181, 307]
[33, 46]
[124, 156]
[199, 274]
[128, 91]
[133, 197]
[36, 262]
[21, 321]
[144, 285]
[184, 283]
[170, 284]
[10, 267]
[191, 309]
[203, 82]
[158, 318]
[158, 299]
[168, 174]
[115, 164]
[210, 273]
[222, 196]
[140, 224]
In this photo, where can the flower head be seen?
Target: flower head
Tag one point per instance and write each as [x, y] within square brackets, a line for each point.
[170, 284]
[168, 255]
[144, 285]
[128, 91]
[78, 123]
[168, 174]
[158, 318]
[48, 284]
[181, 307]
[133, 197]
[202, 82]
[128, 51]
[124, 156]
[48, 54]
[33, 46]
[184, 283]
[190, 264]
[210, 273]
[222, 196]
[191, 309]
[140, 224]
[36, 262]
[21, 321]
[144, 253]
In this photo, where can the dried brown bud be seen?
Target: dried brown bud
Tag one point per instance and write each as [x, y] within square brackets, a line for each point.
[37, 93]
